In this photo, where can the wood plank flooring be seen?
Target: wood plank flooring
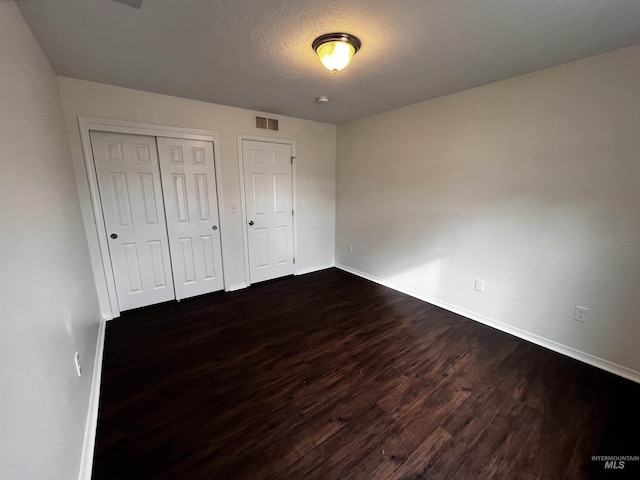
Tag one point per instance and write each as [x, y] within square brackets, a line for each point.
[329, 376]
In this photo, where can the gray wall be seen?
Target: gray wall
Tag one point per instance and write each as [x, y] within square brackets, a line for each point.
[48, 304]
[314, 169]
[531, 184]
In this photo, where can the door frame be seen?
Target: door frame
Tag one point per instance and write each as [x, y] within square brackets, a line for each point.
[101, 258]
[243, 203]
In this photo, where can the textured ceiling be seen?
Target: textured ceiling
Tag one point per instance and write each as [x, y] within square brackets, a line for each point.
[257, 54]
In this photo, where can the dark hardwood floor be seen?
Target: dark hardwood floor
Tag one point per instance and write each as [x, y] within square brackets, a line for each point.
[329, 376]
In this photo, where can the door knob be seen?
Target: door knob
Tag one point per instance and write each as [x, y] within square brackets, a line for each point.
[250, 222]
[215, 227]
[114, 236]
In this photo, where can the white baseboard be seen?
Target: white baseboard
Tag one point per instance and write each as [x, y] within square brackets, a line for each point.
[240, 286]
[598, 362]
[237, 286]
[91, 426]
[313, 269]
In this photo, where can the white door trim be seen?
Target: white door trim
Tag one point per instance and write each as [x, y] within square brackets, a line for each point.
[243, 207]
[88, 123]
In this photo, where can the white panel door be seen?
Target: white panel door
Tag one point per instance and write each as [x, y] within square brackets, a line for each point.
[269, 202]
[191, 204]
[131, 197]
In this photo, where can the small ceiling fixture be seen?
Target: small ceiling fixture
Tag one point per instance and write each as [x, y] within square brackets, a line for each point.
[336, 49]
[130, 3]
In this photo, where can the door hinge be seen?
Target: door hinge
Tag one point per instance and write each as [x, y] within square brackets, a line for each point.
[292, 160]
[294, 260]
[292, 212]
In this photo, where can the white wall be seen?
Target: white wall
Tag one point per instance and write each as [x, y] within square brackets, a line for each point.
[531, 184]
[48, 305]
[315, 164]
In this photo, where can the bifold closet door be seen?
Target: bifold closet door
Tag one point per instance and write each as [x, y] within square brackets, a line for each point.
[131, 195]
[191, 205]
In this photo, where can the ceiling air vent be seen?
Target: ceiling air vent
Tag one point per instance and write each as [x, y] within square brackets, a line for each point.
[265, 123]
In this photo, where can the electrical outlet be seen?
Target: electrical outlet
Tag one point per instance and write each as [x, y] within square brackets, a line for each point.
[580, 314]
[350, 248]
[479, 286]
[78, 364]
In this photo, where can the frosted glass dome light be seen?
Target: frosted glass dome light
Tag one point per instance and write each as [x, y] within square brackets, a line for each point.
[336, 49]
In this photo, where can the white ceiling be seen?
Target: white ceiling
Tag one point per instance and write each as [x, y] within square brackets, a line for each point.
[257, 54]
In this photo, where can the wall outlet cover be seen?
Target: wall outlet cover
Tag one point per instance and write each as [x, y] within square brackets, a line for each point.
[580, 314]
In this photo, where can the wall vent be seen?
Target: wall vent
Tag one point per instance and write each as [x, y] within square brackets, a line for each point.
[265, 123]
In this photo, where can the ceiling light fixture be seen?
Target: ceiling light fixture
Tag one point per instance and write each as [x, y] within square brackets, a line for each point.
[336, 49]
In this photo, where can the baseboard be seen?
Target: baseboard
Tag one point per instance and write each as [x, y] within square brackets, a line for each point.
[584, 357]
[91, 425]
[237, 286]
[313, 269]
[240, 286]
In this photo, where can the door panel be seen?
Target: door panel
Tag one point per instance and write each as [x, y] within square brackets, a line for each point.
[155, 248]
[131, 196]
[268, 200]
[189, 185]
